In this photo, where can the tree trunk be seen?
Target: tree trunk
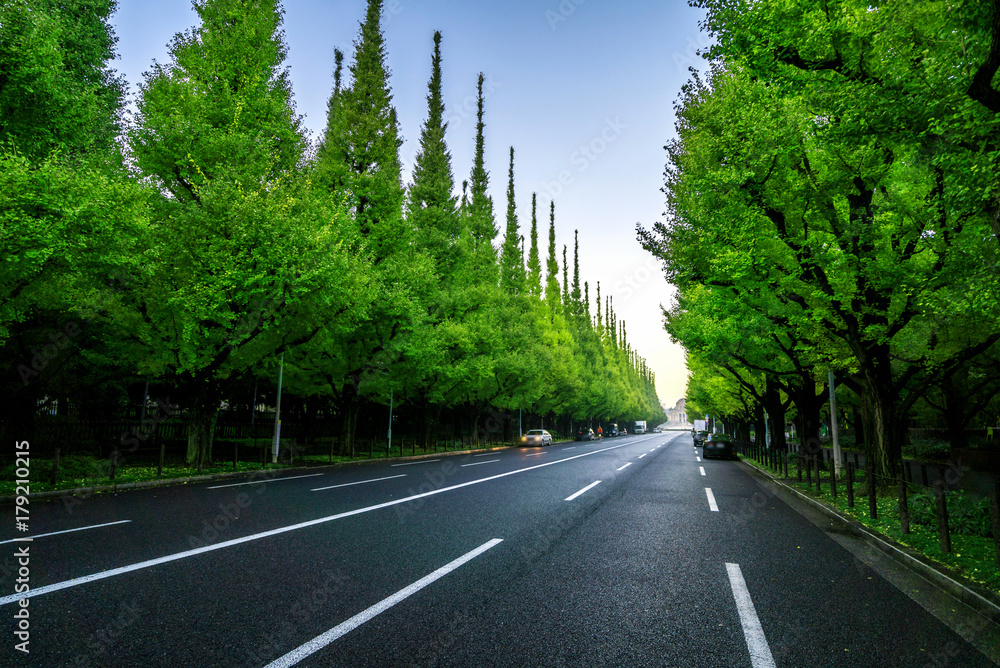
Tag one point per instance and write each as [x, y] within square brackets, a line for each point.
[775, 414]
[759, 425]
[475, 435]
[348, 417]
[808, 405]
[880, 412]
[201, 431]
[956, 409]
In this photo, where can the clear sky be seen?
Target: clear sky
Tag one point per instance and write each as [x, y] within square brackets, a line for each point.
[582, 89]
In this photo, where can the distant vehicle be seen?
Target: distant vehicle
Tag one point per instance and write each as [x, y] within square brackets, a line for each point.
[640, 427]
[624, 432]
[612, 430]
[657, 430]
[537, 437]
[699, 438]
[719, 445]
[585, 434]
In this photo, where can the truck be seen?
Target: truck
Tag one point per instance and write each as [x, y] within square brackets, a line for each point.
[640, 427]
[699, 425]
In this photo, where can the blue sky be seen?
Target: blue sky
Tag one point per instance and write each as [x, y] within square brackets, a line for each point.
[582, 89]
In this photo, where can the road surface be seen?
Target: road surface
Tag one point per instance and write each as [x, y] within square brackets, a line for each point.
[619, 552]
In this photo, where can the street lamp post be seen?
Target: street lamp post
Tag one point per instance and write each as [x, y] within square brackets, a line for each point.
[833, 425]
[277, 414]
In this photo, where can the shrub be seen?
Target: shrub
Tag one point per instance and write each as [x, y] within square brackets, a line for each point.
[965, 514]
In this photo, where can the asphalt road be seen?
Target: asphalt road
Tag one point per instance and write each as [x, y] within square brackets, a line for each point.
[621, 552]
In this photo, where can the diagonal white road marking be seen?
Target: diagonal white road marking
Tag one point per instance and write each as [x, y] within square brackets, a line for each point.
[321, 641]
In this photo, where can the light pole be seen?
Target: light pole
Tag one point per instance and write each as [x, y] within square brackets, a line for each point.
[833, 425]
[277, 414]
[389, 448]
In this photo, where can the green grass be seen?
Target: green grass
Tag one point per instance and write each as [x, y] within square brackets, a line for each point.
[972, 556]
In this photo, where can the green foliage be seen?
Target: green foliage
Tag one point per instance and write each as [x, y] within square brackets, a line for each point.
[359, 160]
[57, 92]
[966, 514]
[512, 276]
[432, 207]
[826, 197]
[223, 246]
[928, 449]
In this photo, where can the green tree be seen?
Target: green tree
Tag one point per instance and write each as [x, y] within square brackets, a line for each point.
[552, 293]
[482, 222]
[58, 92]
[836, 238]
[244, 259]
[432, 208]
[534, 265]
[359, 160]
[512, 277]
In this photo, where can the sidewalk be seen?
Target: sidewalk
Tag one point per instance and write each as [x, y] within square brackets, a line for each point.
[970, 610]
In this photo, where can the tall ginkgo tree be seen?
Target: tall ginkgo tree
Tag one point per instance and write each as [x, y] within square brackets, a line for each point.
[242, 259]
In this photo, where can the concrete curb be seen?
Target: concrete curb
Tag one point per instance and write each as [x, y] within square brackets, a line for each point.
[973, 595]
[87, 492]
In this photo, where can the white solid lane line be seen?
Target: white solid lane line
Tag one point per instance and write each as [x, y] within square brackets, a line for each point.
[702, 469]
[624, 467]
[424, 461]
[321, 641]
[576, 494]
[760, 652]
[488, 461]
[263, 482]
[711, 500]
[66, 584]
[55, 533]
[360, 482]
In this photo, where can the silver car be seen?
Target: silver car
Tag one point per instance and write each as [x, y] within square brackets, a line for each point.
[537, 437]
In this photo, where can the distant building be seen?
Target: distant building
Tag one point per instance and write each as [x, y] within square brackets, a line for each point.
[678, 414]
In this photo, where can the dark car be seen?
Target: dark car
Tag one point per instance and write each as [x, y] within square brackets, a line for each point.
[699, 438]
[612, 430]
[585, 434]
[719, 445]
